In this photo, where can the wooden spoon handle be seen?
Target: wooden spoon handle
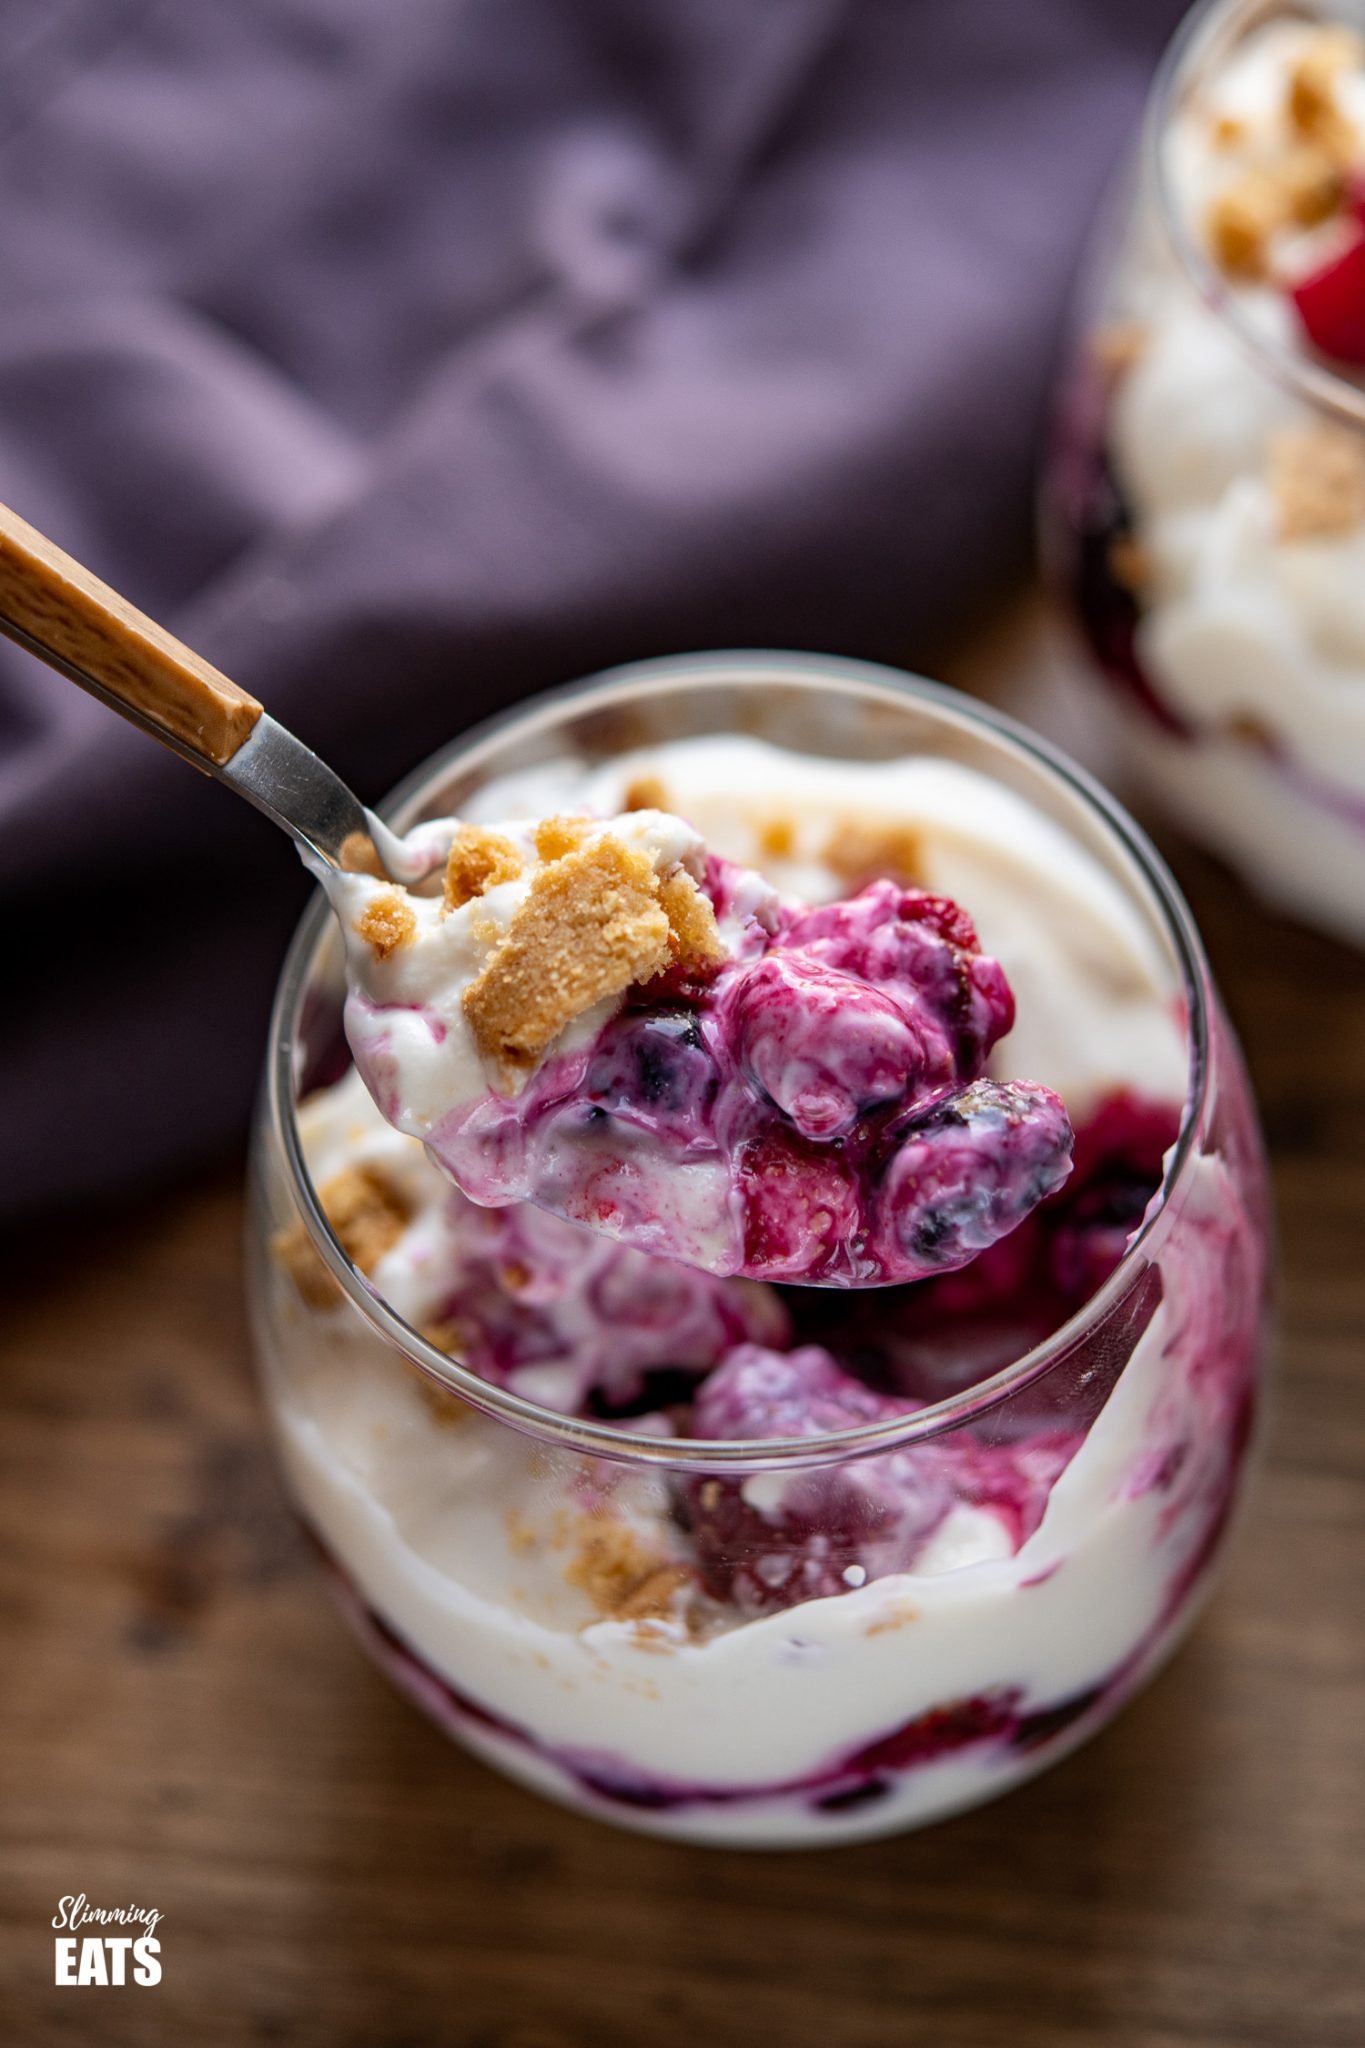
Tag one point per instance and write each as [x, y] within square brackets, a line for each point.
[58, 609]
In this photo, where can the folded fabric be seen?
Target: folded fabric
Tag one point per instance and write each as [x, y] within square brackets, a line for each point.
[407, 358]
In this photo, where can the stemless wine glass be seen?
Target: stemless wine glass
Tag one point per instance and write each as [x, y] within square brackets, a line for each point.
[517, 1570]
[1204, 506]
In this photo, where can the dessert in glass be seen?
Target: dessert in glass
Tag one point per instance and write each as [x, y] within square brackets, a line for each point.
[1205, 503]
[768, 1357]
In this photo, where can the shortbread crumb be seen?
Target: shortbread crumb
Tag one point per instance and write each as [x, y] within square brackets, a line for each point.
[387, 922]
[1312, 184]
[591, 924]
[557, 836]
[777, 836]
[862, 850]
[367, 1213]
[623, 1578]
[1130, 563]
[1311, 99]
[1117, 346]
[645, 793]
[447, 1410]
[294, 1249]
[1242, 220]
[1317, 479]
[692, 921]
[477, 861]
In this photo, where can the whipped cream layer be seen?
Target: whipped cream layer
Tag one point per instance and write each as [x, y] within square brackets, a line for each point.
[1245, 505]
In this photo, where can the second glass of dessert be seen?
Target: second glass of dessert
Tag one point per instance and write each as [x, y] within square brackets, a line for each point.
[759, 1269]
[1206, 498]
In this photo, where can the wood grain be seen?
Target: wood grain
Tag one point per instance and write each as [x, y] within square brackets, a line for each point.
[185, 1723]
[61, 607]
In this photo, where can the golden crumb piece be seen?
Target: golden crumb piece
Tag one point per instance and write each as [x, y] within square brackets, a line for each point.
[557, 836]
[623, 1578]
[1250, 732]
[1311, 96]
[777, 837]
[1317, 479]
[294, 1249]
[691, 920]
[360, 856]
[478, 860]
[1242, 220]
[522, 1538]
[387, 922]
[1130, 563]
[862, 850]
[446, 1409]
[1312, 183]
[645, 793]
[450, 1334]
[591, 924]
[898, 1614]
[1115, 347]
[1227, 131]
[367, 1213]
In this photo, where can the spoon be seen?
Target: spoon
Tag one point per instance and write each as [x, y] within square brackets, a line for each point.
[55, 608]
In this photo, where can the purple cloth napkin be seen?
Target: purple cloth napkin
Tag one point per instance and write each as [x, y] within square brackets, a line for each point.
[406, 358]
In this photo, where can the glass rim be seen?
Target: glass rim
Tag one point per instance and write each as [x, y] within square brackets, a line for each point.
[610, 1440]
[1197, 36]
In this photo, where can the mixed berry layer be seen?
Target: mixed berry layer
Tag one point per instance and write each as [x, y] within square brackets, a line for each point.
[811, 1104]
[535, 1304]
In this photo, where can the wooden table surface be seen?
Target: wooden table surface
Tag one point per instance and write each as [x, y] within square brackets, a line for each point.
[184, 1723]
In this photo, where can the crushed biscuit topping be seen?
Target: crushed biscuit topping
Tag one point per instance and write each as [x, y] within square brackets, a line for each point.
[862, 850]
[1242, 221]
[450, 1334]
[777, 837]
[294, 1249]
[1304, 181]
[1130, 563]
[624, 1579]
[557, 836]
[1115, 347]
[478, 861]
[645, 793]
[367, 1213]
[691, 920]
[1317, 480]
[387, 922]
[591, 925]
[447, 1410]
[360, 856]
[1312, 184]
[1311, 100]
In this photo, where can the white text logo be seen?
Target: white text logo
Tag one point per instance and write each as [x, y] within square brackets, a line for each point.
[106, 1958]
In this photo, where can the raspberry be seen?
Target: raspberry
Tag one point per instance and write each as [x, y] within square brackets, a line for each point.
[766, 1542]
[1330, 303]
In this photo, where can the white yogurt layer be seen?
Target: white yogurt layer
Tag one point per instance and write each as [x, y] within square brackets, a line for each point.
[1251, 630]
[469, 1540]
